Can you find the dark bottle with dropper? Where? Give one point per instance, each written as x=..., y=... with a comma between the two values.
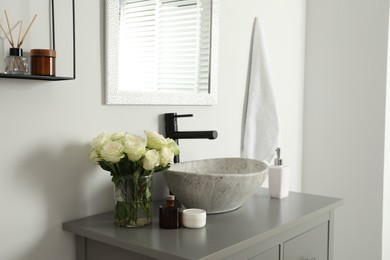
x=169, y=214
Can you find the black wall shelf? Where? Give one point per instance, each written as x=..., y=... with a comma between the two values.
x=51, y=78
x=34, y=77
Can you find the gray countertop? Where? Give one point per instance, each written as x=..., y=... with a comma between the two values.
x=257, y=220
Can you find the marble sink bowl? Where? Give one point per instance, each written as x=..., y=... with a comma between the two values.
x=215, y=185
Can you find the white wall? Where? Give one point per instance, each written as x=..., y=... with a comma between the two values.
x=344, y=117
x=46, y=177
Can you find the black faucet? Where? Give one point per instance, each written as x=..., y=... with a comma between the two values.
x=171, y=131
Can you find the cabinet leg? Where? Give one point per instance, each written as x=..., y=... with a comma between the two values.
x=80, y=248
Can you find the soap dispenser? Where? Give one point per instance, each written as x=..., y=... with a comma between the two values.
x=169, y=217
x=278, y=178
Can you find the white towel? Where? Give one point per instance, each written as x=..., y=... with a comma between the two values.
x=261, y=127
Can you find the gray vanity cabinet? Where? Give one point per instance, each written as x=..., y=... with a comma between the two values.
x=311, y=245
x=270, y=254
x=299, y=227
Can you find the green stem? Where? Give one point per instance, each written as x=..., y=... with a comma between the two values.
x=135, y=192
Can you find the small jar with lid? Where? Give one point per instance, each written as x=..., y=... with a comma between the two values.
x=43, y=62
x=194, y=218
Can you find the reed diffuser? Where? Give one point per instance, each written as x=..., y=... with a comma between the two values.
x=15, y=63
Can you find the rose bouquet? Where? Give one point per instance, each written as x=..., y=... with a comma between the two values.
x=131, y=161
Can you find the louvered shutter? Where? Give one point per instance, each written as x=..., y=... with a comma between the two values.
x=165, y=45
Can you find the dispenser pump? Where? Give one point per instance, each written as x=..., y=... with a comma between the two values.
x=170, y=199
x=278, y=160
x=278, y=178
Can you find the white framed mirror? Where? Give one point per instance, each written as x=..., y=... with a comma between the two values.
x=161, y=52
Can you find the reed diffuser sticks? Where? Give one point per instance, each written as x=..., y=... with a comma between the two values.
x=20, y=30
x=9, y=29
x=28, y=29
x=10, y=38
x=5, y=34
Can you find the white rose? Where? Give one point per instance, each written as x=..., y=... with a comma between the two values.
x=98, y=142
x=155, y=140
x=173, y=146
x=94, y=156
x=112, y=151
x=151, y=160
x=134, y=146
x=117, y=136
x=166, y=156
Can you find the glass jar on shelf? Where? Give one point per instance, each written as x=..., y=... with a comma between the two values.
x=15, y=63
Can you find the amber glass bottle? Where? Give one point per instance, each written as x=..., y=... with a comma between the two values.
x=169, y=214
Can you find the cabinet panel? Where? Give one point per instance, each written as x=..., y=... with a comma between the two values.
x=271, y=254
x=312, y=244
x=96, y=250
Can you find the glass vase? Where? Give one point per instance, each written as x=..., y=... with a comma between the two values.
x=133, y=201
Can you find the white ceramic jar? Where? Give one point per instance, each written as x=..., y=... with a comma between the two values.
x=194, y=218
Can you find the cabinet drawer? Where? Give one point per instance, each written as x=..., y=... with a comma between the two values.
x=312, y=244
x=271, y=254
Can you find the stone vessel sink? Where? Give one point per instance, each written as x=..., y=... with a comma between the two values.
x=215, y=185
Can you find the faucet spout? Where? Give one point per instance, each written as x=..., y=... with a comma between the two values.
x=194, y=135
x=171, y=131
